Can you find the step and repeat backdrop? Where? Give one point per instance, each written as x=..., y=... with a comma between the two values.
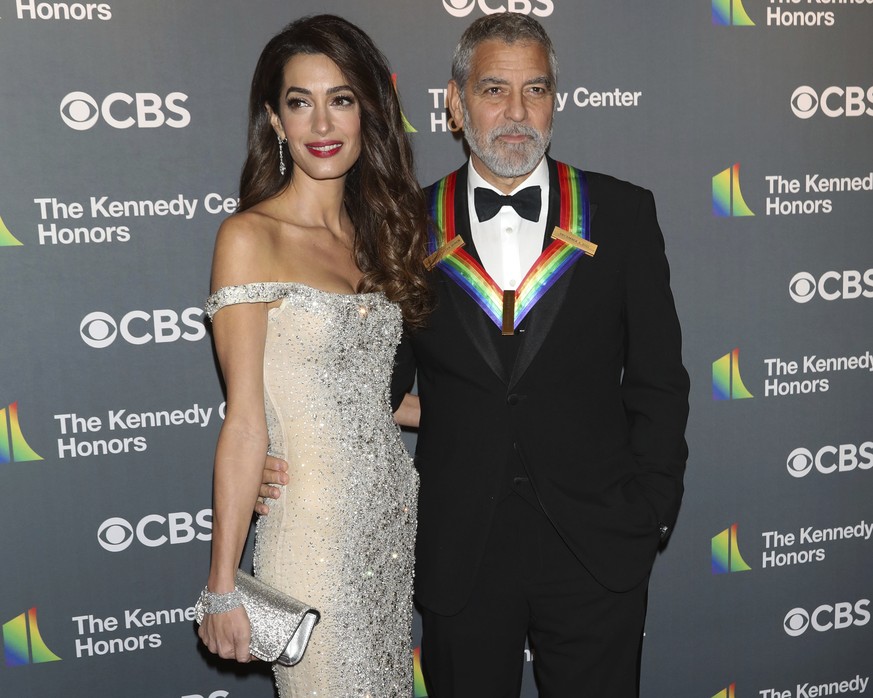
x=123, y=131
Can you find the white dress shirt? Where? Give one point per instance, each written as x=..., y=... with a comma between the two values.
x=508, y=244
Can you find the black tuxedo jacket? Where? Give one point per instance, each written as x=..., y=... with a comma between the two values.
x=595, y=405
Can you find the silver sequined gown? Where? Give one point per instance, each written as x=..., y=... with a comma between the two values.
x=342, y=534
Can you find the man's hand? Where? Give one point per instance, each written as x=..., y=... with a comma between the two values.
x=275, y=473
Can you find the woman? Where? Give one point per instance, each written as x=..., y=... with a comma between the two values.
x=312, y=280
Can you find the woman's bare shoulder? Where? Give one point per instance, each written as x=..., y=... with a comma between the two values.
x=244, y=248
x=250, y=227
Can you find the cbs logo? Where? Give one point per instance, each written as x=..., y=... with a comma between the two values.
x=831, y=285
x=833, y=102
x=830, y=459
x=80, y=111
x=462, y=8
x=99, y=330
x=117, y=534
x=827, y=617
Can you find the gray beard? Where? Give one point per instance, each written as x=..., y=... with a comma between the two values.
x=507, y=160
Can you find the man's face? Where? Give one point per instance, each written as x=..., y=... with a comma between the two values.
x=506, y=108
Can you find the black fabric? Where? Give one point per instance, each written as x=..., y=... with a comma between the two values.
x=585, y=639
x=525, y=202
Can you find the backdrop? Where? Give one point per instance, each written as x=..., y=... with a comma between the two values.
x=123, y=129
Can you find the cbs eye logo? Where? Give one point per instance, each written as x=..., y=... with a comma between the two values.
x=802, y=287
x=80, y=111
x=800, y=462
x=98, y=330
x=459, y=8
x=115, y=534
x=804, y=102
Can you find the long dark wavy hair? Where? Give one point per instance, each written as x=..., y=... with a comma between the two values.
x=382, y=196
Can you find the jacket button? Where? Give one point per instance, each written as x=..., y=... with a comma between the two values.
x=512, y=399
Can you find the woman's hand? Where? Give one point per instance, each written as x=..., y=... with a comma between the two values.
x=409, y=411
x=275, y=473
x=227, y=634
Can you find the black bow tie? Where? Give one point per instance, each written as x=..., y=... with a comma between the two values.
x=525, y=202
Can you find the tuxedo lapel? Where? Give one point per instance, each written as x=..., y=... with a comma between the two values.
x=476, y=323
x=542, y=316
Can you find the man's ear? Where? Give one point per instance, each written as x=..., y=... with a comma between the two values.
x=453, y=101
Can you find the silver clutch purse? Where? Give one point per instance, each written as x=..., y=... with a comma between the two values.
x=281, y=625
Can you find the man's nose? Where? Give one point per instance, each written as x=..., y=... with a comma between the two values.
x=516, y=109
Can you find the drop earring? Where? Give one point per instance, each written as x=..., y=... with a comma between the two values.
x=282, y=142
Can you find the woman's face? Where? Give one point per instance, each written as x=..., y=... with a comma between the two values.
x=320, y=116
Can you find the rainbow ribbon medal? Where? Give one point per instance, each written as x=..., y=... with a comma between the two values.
x=507, y=310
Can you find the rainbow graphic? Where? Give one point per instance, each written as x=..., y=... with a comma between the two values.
x=729, y=692
x=7, y=239
x=730, y=13
x=727, y=384
x=726, y=554
x=418, y=677
x=22, y=642
x=727, y=199
x=409, y=128
x=13, y=447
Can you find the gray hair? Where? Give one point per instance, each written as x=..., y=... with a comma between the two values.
x=507, y=27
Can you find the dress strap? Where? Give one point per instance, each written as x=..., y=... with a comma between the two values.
x=262, y=292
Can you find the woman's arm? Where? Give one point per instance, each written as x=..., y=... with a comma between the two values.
x=239, y=332
x=408, y=413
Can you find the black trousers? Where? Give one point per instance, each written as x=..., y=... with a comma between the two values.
x=586, y=640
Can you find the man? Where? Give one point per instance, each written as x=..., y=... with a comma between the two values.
x=553, y=399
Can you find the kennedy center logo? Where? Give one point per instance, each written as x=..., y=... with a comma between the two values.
x=729, y=692
x=727, y=383
x=13, y=447
x=7, y=239
x=726, y=554
x=730, y=13
x=22, y=642
x=418, y=677
x=408, y=127
x=727, y=199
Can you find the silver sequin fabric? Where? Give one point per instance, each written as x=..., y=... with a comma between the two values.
x=342, y=534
